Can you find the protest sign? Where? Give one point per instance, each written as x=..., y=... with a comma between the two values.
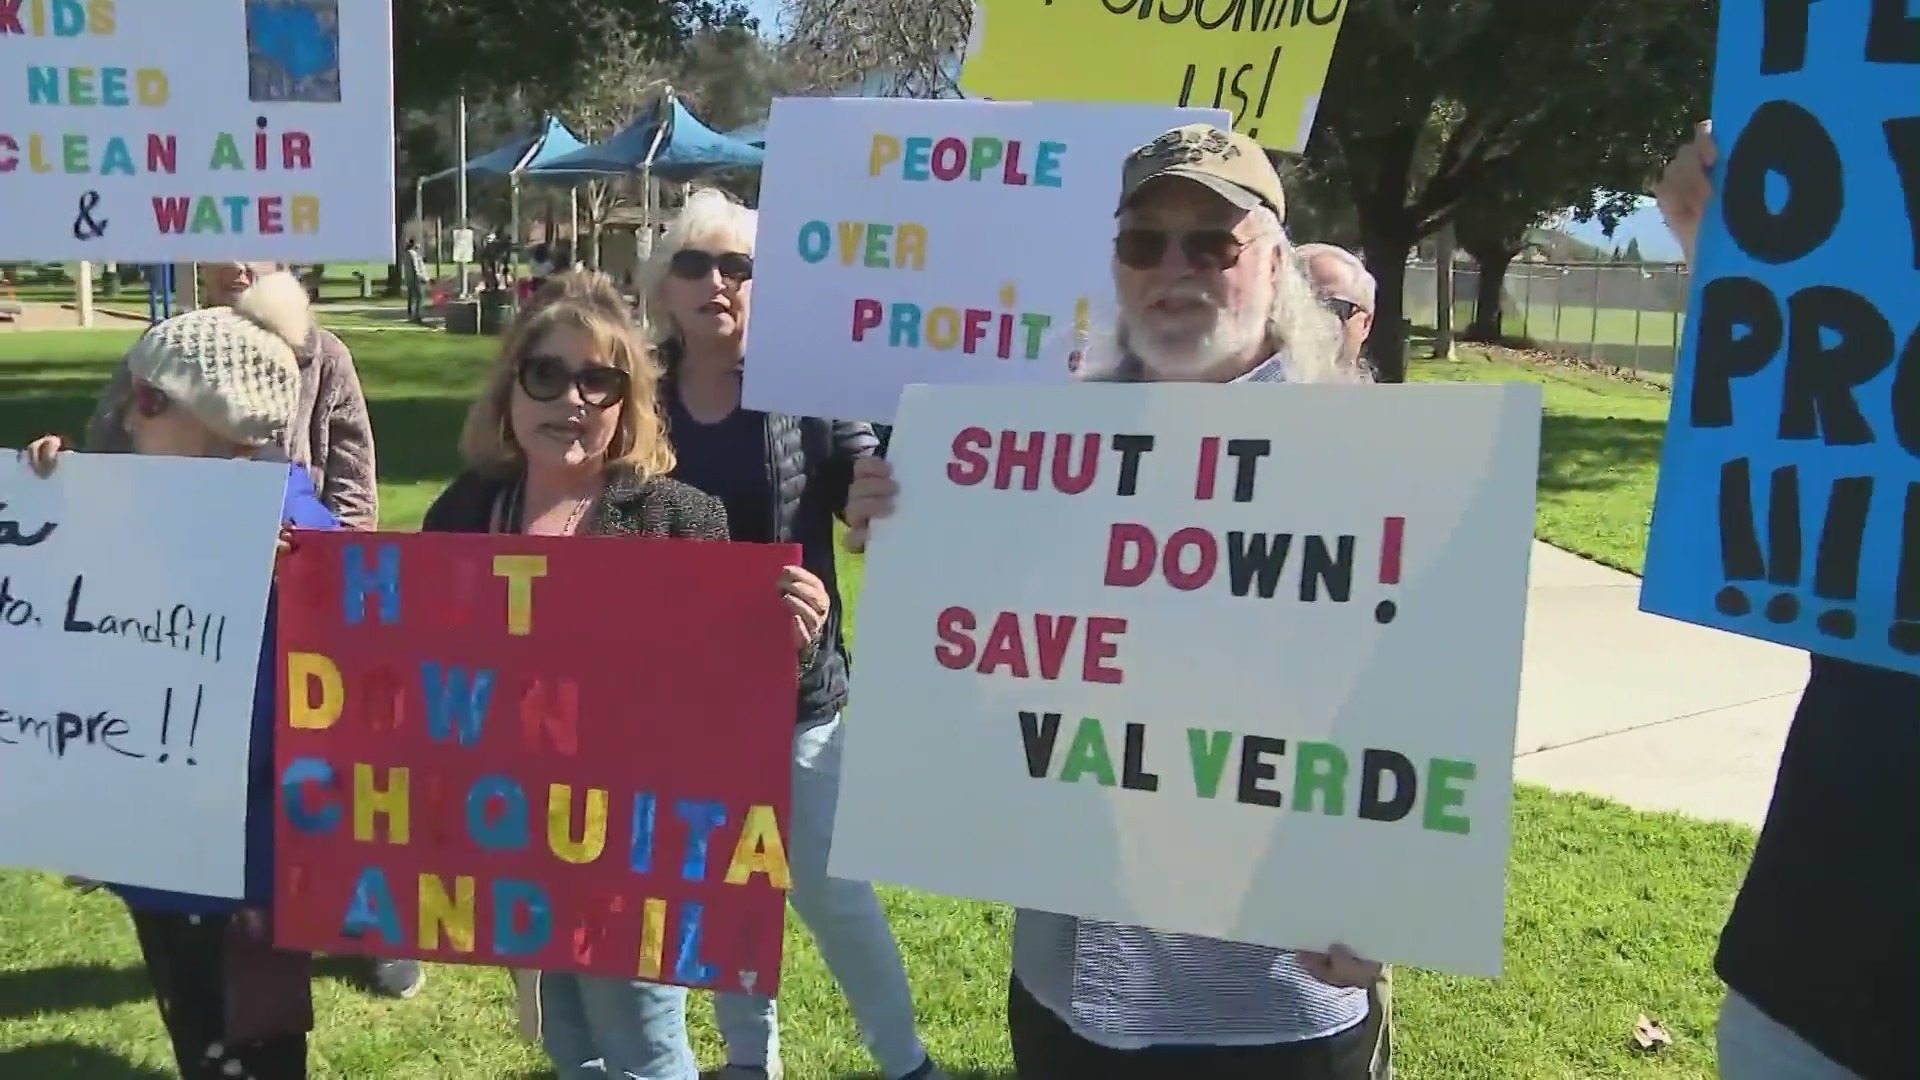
x=196, y=130
x=564, y=755
x=907, y=242
x=1213, y=659
x=133, y=595
x=1263, y=62
x=1789, y=499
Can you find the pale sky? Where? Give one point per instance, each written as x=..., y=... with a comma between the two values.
x=768, y=12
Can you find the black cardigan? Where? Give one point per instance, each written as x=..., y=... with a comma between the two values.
x=628, y=507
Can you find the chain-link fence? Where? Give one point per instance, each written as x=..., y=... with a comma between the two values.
x=1624, y=315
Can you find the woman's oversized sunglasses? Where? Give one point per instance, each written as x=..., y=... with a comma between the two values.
x=692, y=264
x=546, y=378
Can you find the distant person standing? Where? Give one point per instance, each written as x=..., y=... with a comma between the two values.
x=542, y=267
x=415, y=268
x=1347, y=289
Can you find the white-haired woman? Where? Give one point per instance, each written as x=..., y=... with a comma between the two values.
x=783, y=479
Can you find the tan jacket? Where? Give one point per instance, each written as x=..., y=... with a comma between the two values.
x=331, y=434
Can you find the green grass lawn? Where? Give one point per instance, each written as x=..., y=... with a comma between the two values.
x=1611, y=913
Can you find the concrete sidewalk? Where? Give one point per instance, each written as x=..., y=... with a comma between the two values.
x=1658, y=714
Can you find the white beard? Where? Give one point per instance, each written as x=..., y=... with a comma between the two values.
x=1186, y=356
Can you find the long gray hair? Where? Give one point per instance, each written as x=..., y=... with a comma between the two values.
x=1299, y=326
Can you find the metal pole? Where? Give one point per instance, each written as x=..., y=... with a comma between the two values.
x=1639, y=312
x=1593, y=332
x=85, y=301
x=1526, y=307
x=1559, y=307
x=1678, y=319
x=460, y=198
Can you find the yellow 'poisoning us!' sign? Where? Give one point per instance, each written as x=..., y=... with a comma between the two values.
x=1264, y=61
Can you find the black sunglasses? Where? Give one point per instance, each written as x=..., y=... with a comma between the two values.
x=1205, y=249
x=694, y=264
x=546, y=378
x=1342, y=309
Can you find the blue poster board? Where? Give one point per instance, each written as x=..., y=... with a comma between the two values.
x=1789, y=499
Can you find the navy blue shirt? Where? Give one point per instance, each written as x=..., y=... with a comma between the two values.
x=727, y=459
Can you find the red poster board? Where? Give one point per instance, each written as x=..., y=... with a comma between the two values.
x=559, y=754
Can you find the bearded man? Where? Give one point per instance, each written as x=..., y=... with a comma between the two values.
x=1210, y=290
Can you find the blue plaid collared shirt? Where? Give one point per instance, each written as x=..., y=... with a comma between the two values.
x=1128, y=987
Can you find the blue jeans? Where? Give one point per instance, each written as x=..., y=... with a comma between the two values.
x=597, y=1028
x=847, y=924
x=642, y=1027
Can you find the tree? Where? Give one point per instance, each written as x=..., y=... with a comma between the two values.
x=1494, y=224
x=729, y=76
x=1498, y=95
x=444, y=46
x=893, y=48
x=622, y=77
x=1632, y=254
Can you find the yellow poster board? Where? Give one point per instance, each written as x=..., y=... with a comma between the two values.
x=1264, y=61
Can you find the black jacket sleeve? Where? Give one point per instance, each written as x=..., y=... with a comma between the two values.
x=852, y=440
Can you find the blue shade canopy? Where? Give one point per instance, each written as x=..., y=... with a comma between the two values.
x=549, y=140
x=687, y=148
x=752, y=134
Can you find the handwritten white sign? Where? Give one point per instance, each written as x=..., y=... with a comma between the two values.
x=906, y=242
x=196, y=130
x=1212, y=659
x=133, y=595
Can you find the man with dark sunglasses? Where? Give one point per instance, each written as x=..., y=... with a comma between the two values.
x=1347, y=289
x=1209, y=290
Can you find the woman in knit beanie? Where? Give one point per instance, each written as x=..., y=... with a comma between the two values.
x=223, y=383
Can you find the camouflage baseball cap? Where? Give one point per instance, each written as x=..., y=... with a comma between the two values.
x=1226, y=163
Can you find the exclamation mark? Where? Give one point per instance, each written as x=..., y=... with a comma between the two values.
x=193, y=732
x=166, y=724
x=1079, y=336
x=1836, y=565
x=1393, y=532
x=1740, y=557
x=1904, y=634
x=1783, y=543
x=1266, y=88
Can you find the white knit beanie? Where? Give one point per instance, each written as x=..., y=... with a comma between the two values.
x=232, y=368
